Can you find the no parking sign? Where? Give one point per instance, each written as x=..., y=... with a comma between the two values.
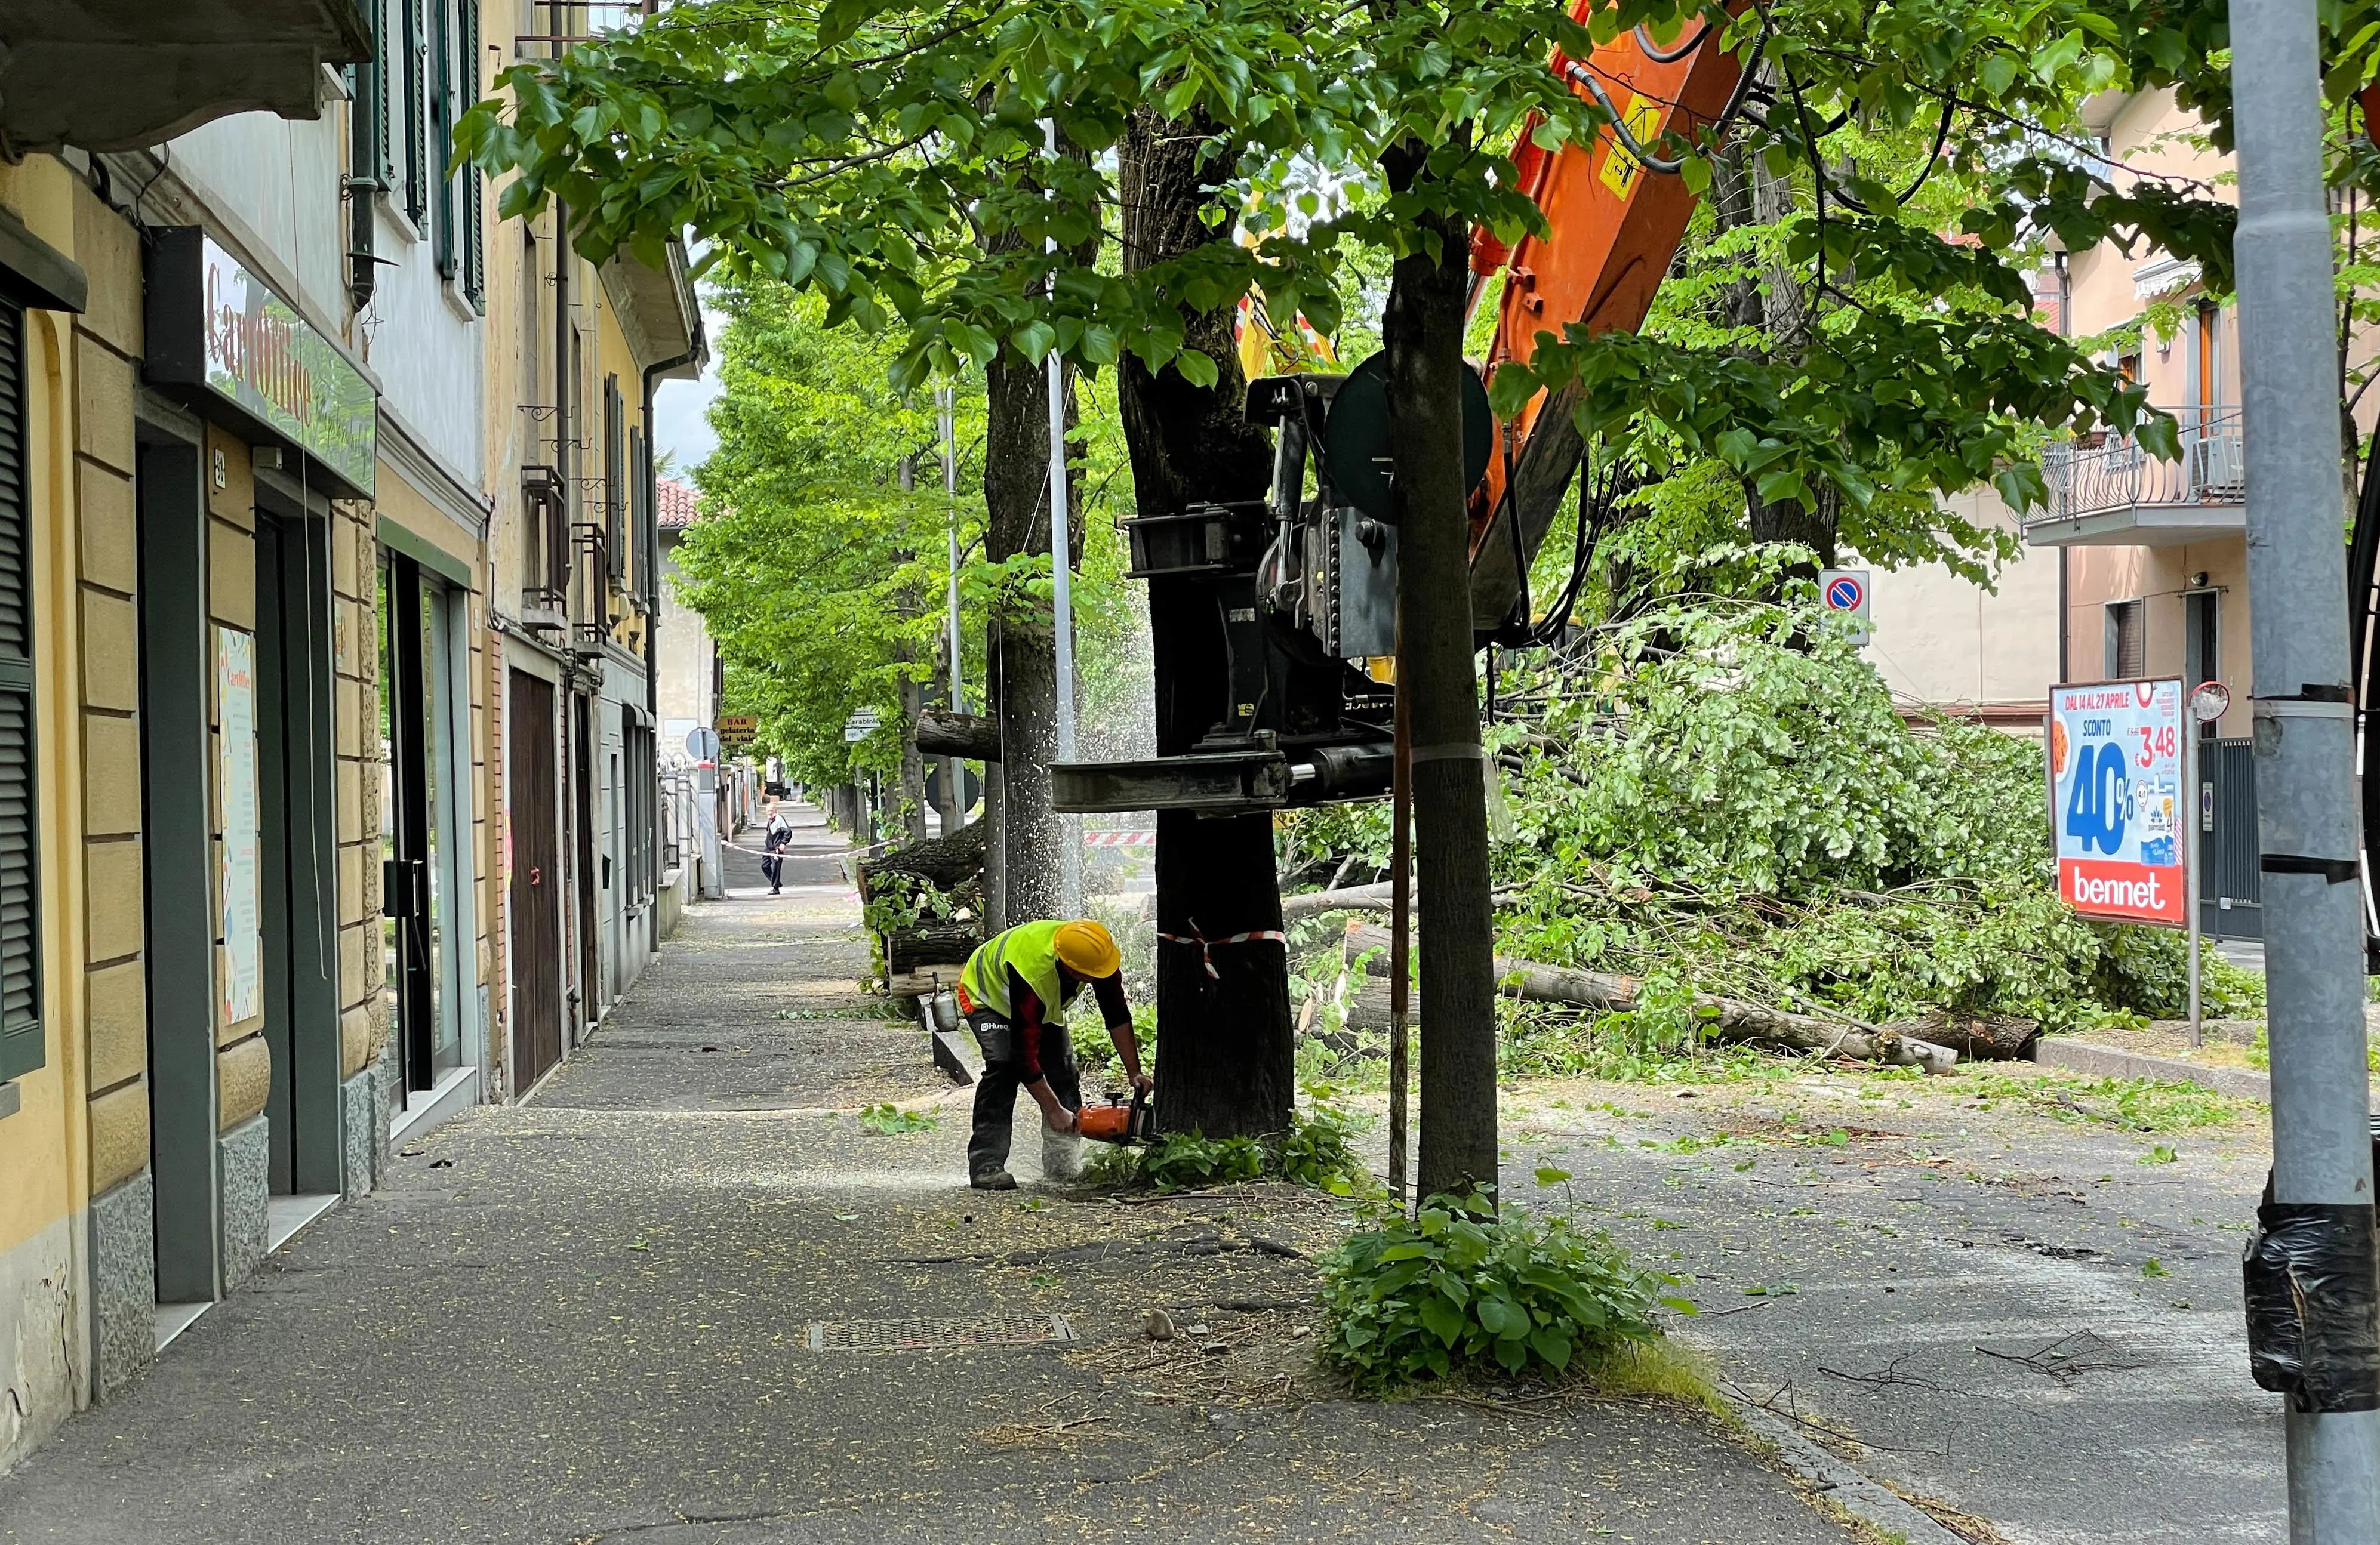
x=1845, y=591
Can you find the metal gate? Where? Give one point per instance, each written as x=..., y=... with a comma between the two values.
x=537, y=882
x=2229, y=893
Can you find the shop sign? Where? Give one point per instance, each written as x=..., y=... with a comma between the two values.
x=216, y=326
x=736, y=731
x=2115, y=799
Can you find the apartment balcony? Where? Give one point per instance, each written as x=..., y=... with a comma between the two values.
x=2117, y=494
x=116, y=74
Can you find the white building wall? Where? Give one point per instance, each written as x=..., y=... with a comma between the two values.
x=274, y=184
x=423, y=340
x=1942, y=639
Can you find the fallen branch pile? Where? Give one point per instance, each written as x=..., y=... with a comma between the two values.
x=1724, y=1018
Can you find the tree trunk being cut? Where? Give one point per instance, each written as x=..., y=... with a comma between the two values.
x=1226, y=1058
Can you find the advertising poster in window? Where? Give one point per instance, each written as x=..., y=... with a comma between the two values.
x=2116, y=800
x=243, y=938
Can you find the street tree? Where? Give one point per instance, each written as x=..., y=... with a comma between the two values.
x=887, y=159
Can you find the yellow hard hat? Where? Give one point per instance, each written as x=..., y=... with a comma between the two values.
x=1088, y=950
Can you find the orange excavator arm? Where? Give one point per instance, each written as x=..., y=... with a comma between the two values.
x=1614, y=215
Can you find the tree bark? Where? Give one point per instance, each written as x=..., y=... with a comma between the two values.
x=1422, y=337
x=1022, y=877
x=1021, y=691
x=1774, y=302
x=945, y=863
x=913, y=762
x=941, y=732
x=1225, y=1048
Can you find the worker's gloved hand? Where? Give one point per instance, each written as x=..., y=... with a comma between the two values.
x=1142, y=1084
x=1061, y=1119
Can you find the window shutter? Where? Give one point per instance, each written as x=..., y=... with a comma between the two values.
x=368, y=118
x=442, y=143
x=475, y=256
x=417, y=49
x=639, y=486
x=20, y=1002
x=383, y=162
x=614, y=540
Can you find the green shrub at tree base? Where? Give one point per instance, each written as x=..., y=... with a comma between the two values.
x=1318, y=1151
x=1456, y=1287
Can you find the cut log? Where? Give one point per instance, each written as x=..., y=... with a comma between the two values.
x=1351, y=898
x=971, y=737
x=1354, y=898
x=944, y=863
x=930, y=943
x=1725, y=1019
x=2000, y=1037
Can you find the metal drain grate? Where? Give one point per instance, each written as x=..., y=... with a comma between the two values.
x=916, y=1333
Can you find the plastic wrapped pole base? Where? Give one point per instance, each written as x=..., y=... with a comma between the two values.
x=2314, y=1324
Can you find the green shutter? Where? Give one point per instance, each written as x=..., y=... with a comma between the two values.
x=368, y=118
x=417, y=49
x=441, y=143
x=384, y=165
x=615, y=540
x=639, y=508
x=20, y=994
x=474, y=235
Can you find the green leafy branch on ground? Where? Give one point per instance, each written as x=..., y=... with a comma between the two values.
x=890, y=1120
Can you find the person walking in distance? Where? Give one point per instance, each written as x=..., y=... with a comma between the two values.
x=1013, y=993
x=781, y=833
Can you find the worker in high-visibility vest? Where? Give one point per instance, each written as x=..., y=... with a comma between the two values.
x=1013, y=993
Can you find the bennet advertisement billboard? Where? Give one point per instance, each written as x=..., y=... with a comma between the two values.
x=2116, y=800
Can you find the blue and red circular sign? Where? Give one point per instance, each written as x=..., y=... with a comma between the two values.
x=1845, y=594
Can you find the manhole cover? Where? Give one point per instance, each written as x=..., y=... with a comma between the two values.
x=914, y=1334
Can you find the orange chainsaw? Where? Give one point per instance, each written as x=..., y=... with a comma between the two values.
x=1115, y=1123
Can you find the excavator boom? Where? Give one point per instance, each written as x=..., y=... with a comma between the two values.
x=1615, y=215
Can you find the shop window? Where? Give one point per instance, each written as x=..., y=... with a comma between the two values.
x=20, y=988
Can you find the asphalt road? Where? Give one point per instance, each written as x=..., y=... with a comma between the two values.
x=2028, y=1320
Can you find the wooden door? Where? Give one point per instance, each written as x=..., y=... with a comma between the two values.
x=537, y=882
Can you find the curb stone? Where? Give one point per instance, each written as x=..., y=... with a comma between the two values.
x=2089, y=1057
x=1863, y=1497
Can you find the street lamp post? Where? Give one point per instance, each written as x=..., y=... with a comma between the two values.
x=2304, y=746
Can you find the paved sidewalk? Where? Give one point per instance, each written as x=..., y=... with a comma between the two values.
x=619, y=1315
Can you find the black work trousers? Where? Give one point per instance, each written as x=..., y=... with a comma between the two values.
x=995, y=1092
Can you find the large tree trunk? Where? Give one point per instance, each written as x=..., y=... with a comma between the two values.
x=1422, y=337
x=1749, y=193
x=1021, y=881
x=1227, y=1060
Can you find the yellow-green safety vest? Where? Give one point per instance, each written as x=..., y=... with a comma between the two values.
x=1032, y=949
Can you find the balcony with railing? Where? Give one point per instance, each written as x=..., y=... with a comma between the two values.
x=2111, y=491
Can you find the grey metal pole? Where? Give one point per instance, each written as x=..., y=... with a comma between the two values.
x=2303, y=734
x=1061, y=563
x=2186, y=811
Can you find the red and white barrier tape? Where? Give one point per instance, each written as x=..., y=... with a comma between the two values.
x=1207, y=946
x=1119, y=839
